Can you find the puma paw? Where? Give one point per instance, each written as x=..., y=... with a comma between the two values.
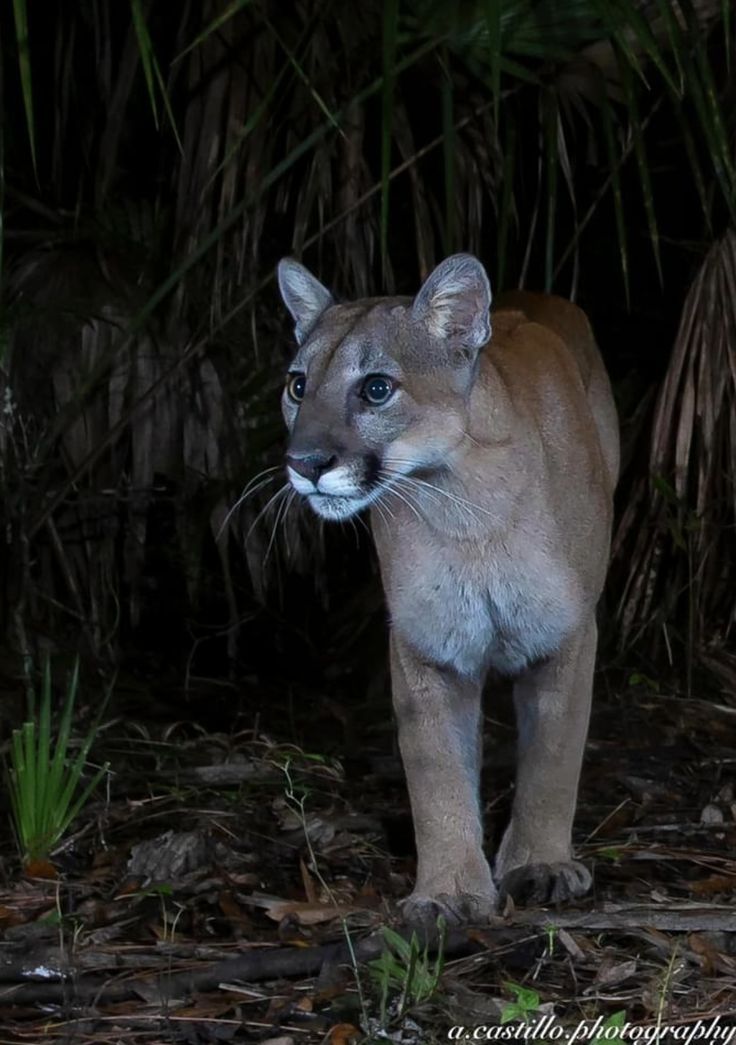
x=539, y=884
x=456, y=908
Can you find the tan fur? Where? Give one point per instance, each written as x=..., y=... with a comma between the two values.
x=492, y=518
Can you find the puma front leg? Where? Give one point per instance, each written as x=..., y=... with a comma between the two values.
x=439, y=715
x=534, y=862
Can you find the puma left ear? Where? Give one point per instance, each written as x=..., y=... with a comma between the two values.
x=303, y=294
x=454, y=302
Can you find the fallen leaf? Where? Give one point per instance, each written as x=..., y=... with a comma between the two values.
x=40, y=869
x=10, y=917
x=570, y=944
x=715, y=883
x=343, y=1034
x=304, y=913
x=610, y=972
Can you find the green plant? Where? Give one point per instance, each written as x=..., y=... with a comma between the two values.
x=406, y=972
x=610, y=852
x=47, y=791
x=526, y=1002
x=613, y=1024
x=551, y=934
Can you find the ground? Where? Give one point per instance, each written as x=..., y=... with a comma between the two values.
x=230, y=886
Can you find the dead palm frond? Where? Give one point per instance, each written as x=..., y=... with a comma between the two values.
x=678, y=533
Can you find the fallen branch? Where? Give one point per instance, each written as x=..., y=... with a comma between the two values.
x=269, y=963
x=685, y=919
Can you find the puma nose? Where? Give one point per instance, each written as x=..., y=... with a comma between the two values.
x=311, y=466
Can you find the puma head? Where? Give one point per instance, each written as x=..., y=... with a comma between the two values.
x=379, y=387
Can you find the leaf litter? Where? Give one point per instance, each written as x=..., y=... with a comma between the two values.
x=248, y=906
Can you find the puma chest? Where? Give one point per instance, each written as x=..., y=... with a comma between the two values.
x=481, y=610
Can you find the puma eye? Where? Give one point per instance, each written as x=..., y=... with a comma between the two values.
x=377, y=389
x=295, y=386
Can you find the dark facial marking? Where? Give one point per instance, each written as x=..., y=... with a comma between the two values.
x=372, y=469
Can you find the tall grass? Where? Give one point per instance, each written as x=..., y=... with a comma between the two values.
x=47, y=787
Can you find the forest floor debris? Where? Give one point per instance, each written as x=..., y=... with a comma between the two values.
x=248, y=903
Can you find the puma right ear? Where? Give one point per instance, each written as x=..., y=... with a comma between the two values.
x=454, y=303
x=304, y=296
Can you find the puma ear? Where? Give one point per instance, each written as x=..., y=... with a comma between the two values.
x=454, y=302
x=303, y=295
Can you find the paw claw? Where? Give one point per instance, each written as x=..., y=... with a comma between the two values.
x=539, y=884
x=457, y=909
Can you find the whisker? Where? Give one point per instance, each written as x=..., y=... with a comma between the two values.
x=399, y=479
x=462, y=501
x=280, y=518
x=363, y=523
x=248, y=491
x=379, y=511
x=279, y=493
x=354, y=528
x=383, y=510
x=394, y=489
x=467, y=506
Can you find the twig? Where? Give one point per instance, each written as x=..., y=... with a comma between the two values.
x=272, y=963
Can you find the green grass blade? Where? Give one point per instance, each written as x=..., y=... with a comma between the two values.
x=677, y=42
x=609, y=139
x=448, y=157
x=59, y=767
x=76, y=766
x=507, y=205
x=636, y=128
x=44, y=796
x=519, y=71
x=75, y=809
x=302, y=74
x=550, y=125
x=726, y=12
x=255, y=117
x=145, y=50
x=629, y=23
x=167, y=104
x=16, y=771
x=705, y=96
x=390, y=39
x=230, y=11
x=696, y=169
x=152, y=70
x=27, y=786
x=492, y=12
x=22, y=42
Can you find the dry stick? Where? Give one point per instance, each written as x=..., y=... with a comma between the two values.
x=638, y=916
x=261, y=964
x=274, y=963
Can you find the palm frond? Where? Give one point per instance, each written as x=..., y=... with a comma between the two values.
x=676, y=536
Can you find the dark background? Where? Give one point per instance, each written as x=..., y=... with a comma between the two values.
x=159, y=159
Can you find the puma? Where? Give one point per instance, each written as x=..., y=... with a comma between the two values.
x=489, y=464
